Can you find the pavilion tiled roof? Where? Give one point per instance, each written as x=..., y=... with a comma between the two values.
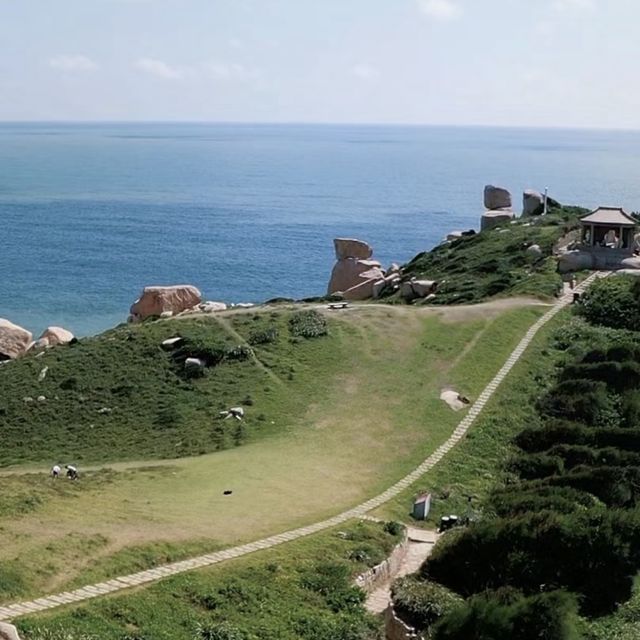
x=614, y=216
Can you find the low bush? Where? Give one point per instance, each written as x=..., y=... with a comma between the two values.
x=421, y=603
x=536, y=465
x=612, y=302
x=548, y=616
x=263, y=336
x=532, y=497
x=586, y=401
x=588, y=553
x=307, y=324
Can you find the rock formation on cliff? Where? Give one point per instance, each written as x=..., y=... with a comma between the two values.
x=533, y=203
x=354, y=273
x=498, y=204
x=14, y=340
x=53, y=336
x=156, y=300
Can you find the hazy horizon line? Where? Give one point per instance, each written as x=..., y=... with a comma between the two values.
x=425, y=125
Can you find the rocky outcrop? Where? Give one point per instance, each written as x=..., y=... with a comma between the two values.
x=354, y=274
x=535, y=251
x=497, y=198
x=497, y=218
x=14, y=340
x=156, y=300
x=53, y=336
x=578, y=260
x=498, y=203
x=414, y=289
x=350, y=248
x=533, y=203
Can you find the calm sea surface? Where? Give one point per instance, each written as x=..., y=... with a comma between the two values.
x=89, y=214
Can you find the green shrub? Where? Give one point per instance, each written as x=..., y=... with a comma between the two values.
x=221, y=631
x=394, y=528
x=548, y=616
x=332, y=582
x=612, y=302
x=591, y=553
x=263, y=336
x=212, y=354
x=532, y=497
x=421, y=603
x=586, y=401
x=240, y=353
x=536, y=465
x=307, y=324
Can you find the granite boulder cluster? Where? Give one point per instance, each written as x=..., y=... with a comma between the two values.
x=16, y=341
x=357, y=276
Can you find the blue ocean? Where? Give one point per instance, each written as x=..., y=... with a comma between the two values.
x=91, y=213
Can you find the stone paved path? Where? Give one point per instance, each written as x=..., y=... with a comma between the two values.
x=12, y=611
x=421, y=542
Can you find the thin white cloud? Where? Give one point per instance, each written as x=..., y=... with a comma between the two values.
x=365, y=72
x=580, y=5
x=440, y=9
x=160, y=69
x=230, y=71
x=72, y=63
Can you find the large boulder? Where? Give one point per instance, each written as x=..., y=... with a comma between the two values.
x=497, y=218
x=532, y=203
x=14, y=340
x=576, y=261
x=53, y=336
x=349, y=273
x=496, y=198
x=349, y=248
x=156, y=300
x=414, y=289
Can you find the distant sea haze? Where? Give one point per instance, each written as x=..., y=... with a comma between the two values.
x=91, y=213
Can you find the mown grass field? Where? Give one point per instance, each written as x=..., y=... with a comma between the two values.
x=470, y=470
x=359, y=409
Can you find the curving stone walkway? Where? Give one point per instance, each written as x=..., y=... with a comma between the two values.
x=12, y=611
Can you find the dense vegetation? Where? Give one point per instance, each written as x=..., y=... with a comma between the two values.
x=496, y=262
x=121, y=395
x=562, y=530
x=613, y=302
x=303, y=592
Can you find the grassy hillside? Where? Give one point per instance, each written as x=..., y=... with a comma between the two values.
x=121, y=396
x=363, y=408
x=496, y=262
x=299, y=592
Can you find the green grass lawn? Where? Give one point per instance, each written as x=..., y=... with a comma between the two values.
x=471, y=469
x=362, y=410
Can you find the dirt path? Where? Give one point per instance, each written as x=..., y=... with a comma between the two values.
x=12, y=611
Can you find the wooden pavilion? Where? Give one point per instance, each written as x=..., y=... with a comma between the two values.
x=609, y=228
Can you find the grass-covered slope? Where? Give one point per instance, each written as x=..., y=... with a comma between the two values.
x=363, y=408
x=302, y=591
x=122, y=396
x=496, y=262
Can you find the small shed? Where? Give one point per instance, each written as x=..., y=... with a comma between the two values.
x=421, y=506
x=610, y=228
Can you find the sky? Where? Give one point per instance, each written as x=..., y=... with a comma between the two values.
x=547, y=63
